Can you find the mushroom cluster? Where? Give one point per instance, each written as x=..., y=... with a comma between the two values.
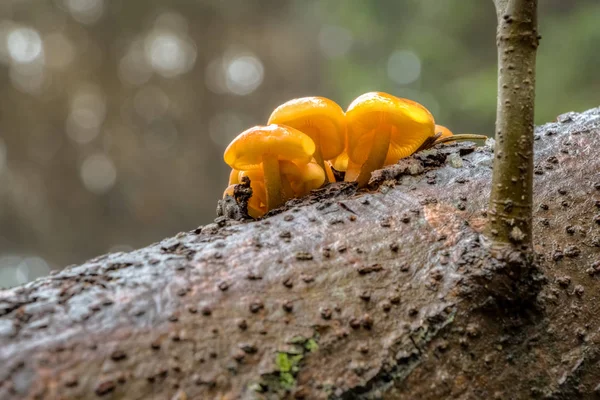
x=305, y=138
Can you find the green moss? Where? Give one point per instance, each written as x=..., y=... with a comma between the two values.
x=288, y=366
x=311, y=345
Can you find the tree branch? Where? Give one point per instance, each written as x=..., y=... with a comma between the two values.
x=512, y=182
x=341, y=296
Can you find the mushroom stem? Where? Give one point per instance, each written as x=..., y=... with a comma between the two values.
x=376, y=157
x=286, y=187
x=273, y=186
x=329, y=177
x=460, y=137
x=352, y=171
x=318, y=155
x=319, y=159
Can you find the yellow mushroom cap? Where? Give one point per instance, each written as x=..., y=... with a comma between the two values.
x=409, y=122
x=246, y=151
x=318, y=117
x=303, y=178
x=444, y=131
x=340, y=163
x=257, y=205
x=234, y=177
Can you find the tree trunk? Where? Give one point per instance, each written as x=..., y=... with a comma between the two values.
x=341, y=296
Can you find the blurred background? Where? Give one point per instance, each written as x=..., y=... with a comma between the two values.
x=114, y=114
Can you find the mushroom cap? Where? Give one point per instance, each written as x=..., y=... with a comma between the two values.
x=303, y=178
x=340, y=163
x=257, y=205
x=246, y=151
x=409, y=122
x=318, y=117
x=444, y=131
x=234, y=177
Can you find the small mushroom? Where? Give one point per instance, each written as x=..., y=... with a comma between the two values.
x=296, y=180
x=321, y=119
x=381, y=130
x=445, y=135
x=234, y=177
x=302, y=178
x=329, y=172
x=340, y=163
x=257, y=205
x=262, y=148
x=444, y=132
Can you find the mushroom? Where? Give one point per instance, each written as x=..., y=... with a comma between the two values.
x=318, y=117
x=302, y=178
x=340, y=163
x=381, y=130
x=263, y=147
x=256, y=204
x=445, y=132
x=445, y=135
x=234, y=177
x=330, y=177
x=297, y=181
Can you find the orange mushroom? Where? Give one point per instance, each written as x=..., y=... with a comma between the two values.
x=318, y=117
x=257, y=206
x=234, y=177
x=303, y=178
x=263, y=147
x=340, y=163
x=444, y=135
x=445, y=132
x=297, y=181
x=381, y=130
x=330, y=177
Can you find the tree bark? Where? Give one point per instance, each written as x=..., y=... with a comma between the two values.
x=512, y=184
x=339, y=296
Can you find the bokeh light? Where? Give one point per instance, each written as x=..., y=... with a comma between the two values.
x=16, y=269
x=404, y=66
x=98, y=173
x=237, y=72
x=24, y=45
x=87, y=113
x=169, y=54
x=244, y=73
x=85, y=11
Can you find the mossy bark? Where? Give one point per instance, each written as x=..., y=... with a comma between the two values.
x=512, y=182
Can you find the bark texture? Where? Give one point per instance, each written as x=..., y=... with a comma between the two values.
x=511, y=196
x=342, y=295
